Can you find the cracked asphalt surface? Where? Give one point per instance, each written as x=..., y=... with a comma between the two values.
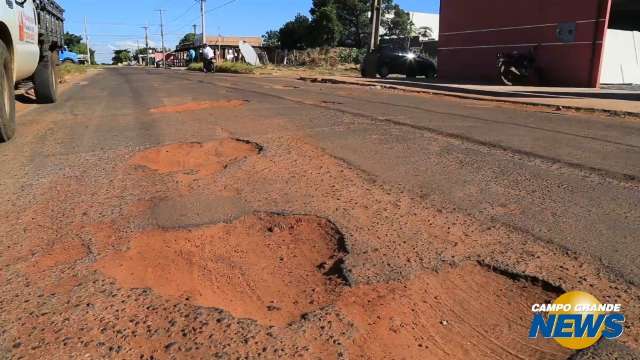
x=430, y=194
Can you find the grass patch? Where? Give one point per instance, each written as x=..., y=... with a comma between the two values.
x=69, y=70
x=310, y=70
x=195, y=67
x=235, y=68
x=226, y=67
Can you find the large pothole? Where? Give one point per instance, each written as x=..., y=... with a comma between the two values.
x=199, y=105
x=466, y=312
x=201, y=158
x=271, y=268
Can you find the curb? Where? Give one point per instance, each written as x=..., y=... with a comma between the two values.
x=329, y=80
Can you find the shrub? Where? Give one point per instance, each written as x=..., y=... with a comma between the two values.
x=234, y=68
x=195, y=67
x=71, y=69
x=226, y=67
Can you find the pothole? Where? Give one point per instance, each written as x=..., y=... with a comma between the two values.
x=204, y=158
x=199, y=105
x=267, y=267
x=463, y=312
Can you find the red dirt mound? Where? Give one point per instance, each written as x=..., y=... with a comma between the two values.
x=205, y=158
x=201, y=105
x=264, y=267
x=464, y=313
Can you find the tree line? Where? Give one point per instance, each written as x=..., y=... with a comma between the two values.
x=343, y=23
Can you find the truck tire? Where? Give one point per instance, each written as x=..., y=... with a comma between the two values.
x=7, y=95
x=45, y=79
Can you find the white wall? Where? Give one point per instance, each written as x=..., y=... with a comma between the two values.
x=621, y=58
x=422, y=19
x=425, y=19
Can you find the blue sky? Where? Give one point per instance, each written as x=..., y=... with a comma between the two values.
x=117, y=23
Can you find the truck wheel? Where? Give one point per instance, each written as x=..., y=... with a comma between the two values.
x=45, y=79
x=7, y=95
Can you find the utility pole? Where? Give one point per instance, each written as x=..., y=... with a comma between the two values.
x=138, y=46
x=376, y=13
x=218, y=55
x=146, y=43
x=370, y=62
x=195, y=33
x=86, y=37
x=203, y=25
x=164, y=56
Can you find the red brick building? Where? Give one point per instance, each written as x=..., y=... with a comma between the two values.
x=566, y=36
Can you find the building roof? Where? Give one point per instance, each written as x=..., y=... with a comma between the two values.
x=224, y=40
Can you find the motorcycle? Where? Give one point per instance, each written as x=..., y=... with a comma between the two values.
x=515, y=68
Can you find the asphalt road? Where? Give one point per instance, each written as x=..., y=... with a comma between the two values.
x=570, y=180
x=382, y=165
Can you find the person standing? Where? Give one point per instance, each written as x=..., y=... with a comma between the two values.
x=207, y=54
x=191, y=56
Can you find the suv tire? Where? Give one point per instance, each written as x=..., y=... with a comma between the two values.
x=7, y=95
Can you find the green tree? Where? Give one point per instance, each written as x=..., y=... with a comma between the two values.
x=121, y=56
x=353, y=17
x=295, y=33
x=81, y=49
x=399, y=25
x=188, y=38
x=72, y=40
x=326, y=30
x=424, y=32
x=271, y=38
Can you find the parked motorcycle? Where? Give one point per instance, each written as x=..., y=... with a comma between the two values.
x=515, y=68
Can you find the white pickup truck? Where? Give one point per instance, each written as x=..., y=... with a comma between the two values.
x=31, y=32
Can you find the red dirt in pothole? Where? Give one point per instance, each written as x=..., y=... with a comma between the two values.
x=466, y=312
x=200, y=105
x=204, y=158
x=59, y=254
x=263, y=267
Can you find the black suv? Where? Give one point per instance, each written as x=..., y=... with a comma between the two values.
x=390, y=61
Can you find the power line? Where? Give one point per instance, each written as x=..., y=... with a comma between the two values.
x=221, y=6
x=183, y=14
x=108, y=23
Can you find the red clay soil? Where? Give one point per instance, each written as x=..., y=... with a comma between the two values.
x=263, y=267
x=466, y=312
x=194, y=160
x=201, y=105
x=82, y=282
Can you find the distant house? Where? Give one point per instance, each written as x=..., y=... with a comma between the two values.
x=225, y=48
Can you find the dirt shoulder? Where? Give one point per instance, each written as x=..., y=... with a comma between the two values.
x=70, y=75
